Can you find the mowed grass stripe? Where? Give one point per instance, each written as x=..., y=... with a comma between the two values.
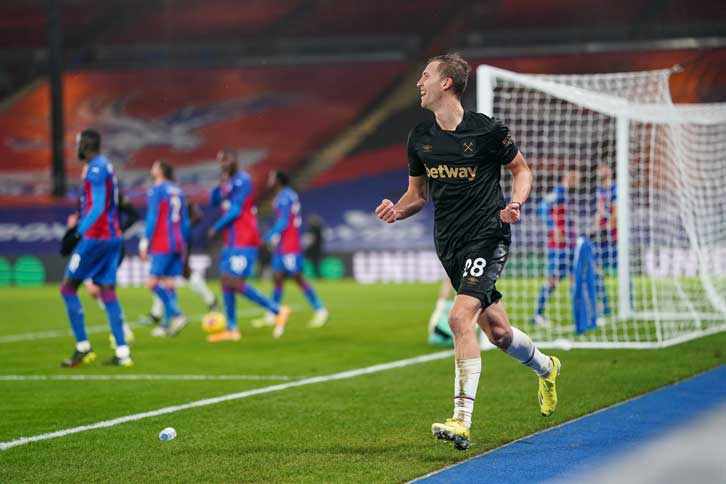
x=225, y=398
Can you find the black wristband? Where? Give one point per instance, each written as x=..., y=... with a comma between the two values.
x=518, y=203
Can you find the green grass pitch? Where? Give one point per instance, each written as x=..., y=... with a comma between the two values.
x=371, y=428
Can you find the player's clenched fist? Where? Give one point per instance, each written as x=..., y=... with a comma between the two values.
x=511, y=213
x=386, y=211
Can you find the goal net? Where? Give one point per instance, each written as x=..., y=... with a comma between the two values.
x=638, y=180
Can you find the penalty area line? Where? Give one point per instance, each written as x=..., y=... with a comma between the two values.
x=344, y=375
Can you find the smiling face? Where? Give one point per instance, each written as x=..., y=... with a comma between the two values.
x=432, y=87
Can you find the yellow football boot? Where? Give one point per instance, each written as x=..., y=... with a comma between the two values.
x=79, y=358
x=453, y=430
x=547, y=393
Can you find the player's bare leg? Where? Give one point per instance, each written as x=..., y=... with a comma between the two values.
x=467, y=372
x=95, y=292
x=495, y=324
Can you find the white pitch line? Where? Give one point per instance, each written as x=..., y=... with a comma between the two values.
x=144, y=377
x=232, y=396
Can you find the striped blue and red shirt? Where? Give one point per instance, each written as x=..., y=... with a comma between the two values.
x=167, y=219
x=238, y=223
x=557, y=208
x=287, y=222
x=99, y=201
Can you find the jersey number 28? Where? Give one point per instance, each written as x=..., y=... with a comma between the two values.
x=476, y=266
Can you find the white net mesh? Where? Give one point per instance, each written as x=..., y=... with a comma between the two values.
x=615, y=162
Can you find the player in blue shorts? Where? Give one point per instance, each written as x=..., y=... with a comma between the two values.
x=556, y=208
x=241, y=236
x=195, y=279
x=167, y=229
x=284, y=240
x=96, y=253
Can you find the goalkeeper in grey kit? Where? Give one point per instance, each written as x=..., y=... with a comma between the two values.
x=456, y=158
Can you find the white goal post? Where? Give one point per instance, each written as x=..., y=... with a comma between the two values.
x=616, y=163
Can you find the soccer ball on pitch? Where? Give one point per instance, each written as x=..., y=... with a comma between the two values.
x=214, y=322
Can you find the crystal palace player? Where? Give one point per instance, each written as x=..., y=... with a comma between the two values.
x=167, y=229
x=605, y=232
x=97, y=253
x=557, y=210
x=241, y=244
x=457, y=158
x=284, y=238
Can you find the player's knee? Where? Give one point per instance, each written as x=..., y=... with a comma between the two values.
x=459, y=322
x=93, y=290
x=152, y=282
x=500, y=336
x=226, y=280
x=67, y=288
x=108, y=293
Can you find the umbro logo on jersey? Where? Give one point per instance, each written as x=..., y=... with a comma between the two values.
x=446, y=171
x=426, y=148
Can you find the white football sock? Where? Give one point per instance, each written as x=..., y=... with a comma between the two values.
x=157, y=307
x=123, y=352
x=466, y=381
x=523, y=349
x=83, y=346
x=199, y=286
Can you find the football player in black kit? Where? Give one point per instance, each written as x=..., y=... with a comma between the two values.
x=456, y=158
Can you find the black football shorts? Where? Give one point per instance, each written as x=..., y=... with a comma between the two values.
x=474, y=270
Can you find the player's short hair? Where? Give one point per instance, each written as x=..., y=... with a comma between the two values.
x=91, y=139
x=282, y=178
x=456, y=68
x=166, y=169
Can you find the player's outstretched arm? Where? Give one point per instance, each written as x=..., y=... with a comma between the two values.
x=410, y=203
x=520, y=189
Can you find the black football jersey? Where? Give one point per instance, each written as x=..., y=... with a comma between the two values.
x=463, y=169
